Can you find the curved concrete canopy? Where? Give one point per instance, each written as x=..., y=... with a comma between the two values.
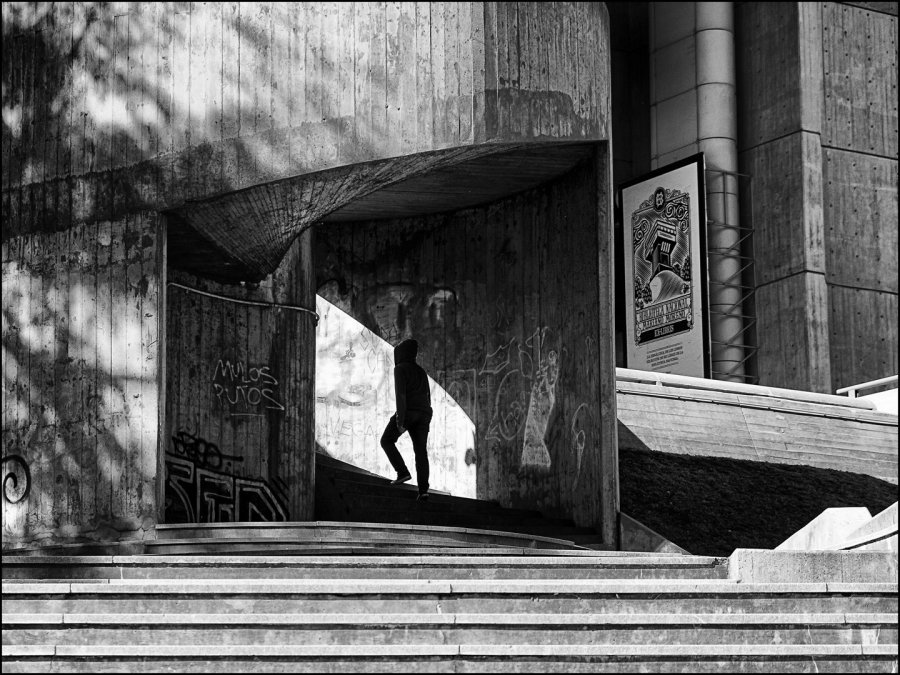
x=242, y=236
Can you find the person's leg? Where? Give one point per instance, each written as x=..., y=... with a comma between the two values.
x=418, y=432
x=389, y=445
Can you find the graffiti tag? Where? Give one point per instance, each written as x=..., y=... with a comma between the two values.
x=198, y=495
x=16, y=483
x=245, y=389
x=200, y=451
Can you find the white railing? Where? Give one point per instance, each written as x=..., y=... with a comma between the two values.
x=684, y=381
x=851, y=391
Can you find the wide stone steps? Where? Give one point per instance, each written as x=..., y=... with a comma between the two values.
x=529, y=610
x=445, y=596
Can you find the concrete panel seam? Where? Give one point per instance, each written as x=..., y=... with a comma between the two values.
x=788, y=276
x=857, y=288
x=781, y=137
x=853, y=151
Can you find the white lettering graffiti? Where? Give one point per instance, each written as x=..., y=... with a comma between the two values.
x=245, y=389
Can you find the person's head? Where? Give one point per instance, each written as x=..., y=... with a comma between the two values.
x=406, y=352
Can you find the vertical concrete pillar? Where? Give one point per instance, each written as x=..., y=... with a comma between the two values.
x=293, y=353
x=717, y=137
x=693, y=109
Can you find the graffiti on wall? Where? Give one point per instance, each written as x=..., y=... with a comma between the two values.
x=526, y=372
x=16, y=479
x=203, y=453
x=245, y=390
x=201, y=487
x=581, y=430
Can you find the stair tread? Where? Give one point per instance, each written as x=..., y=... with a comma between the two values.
x=410, y=650
x=488, y=560
x=306, y=619
x=668, y=587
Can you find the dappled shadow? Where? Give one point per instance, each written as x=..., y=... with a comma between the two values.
x=111, y=108
x=80, y=401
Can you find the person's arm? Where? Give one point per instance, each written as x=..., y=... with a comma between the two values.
x=400, y=394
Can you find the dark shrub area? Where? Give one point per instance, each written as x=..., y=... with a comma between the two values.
x=711, y=505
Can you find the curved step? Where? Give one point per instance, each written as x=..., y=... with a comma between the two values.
x=331, y=532
x=317, y=566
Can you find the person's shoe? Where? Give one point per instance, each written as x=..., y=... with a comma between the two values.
x=401, y=479
x=423, y=497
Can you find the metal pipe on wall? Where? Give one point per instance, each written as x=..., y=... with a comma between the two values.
x=717, y=140
x=694, y=109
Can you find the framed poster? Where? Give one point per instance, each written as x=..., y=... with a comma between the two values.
x=666, y=314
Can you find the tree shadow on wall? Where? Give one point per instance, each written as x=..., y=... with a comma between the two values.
x=85, y=477
x=713, y=505
x=116, y=108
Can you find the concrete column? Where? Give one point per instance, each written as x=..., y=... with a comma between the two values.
x=717, y=138
x=694, y=109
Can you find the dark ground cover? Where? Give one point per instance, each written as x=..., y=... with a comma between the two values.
x=711, y=505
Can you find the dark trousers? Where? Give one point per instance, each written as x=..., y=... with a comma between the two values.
x=417, y=423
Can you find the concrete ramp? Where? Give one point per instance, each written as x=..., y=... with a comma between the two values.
x=692, y=416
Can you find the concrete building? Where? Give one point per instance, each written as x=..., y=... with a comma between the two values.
x=180, y=184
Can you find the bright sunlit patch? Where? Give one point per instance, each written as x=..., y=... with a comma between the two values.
x=355, y=400
x=12, y=119
x=107, y=109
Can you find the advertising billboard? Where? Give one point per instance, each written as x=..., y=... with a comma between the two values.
x=666, y=316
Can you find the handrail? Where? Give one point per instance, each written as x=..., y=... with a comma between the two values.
x=871, y=538
x=851, y=391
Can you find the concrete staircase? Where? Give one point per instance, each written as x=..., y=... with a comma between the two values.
x=383, y=583
x=347, y=493
x=453, y=609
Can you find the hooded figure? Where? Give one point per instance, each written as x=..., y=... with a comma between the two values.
x=413, y=414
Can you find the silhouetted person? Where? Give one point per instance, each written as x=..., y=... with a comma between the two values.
x=413, y=414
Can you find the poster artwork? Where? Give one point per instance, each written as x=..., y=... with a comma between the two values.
x=661, y=247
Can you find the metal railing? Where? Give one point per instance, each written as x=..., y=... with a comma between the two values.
x=851, y=391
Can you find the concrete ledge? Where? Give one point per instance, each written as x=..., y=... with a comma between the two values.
x=540, y=557
x=686, y=382
x=827, y=530
x=764, y=566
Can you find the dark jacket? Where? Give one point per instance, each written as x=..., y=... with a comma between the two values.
x=410, y=381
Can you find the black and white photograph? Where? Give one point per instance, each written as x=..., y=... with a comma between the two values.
x=453, y=337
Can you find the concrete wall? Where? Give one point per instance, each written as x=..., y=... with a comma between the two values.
x=503, y=301
x=113, y=106
x=239, y=397
x=116, y=110
x=81, y=330
x=818, y=136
